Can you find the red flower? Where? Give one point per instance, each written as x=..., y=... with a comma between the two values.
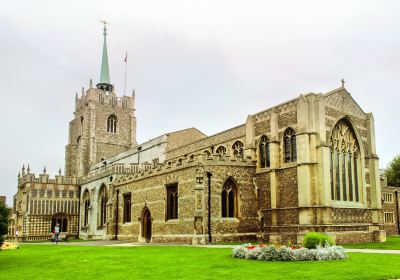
x=251, y=247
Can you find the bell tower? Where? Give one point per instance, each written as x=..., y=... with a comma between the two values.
x=103, y=124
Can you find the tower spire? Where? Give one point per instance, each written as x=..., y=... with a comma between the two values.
x=104, y=82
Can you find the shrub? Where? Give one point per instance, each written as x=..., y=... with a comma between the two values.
x=268, y=254
x=271, y=253
x=314, y=239
x=3, y=222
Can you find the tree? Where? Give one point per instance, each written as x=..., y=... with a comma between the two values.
x=393, y=172
x=3, y=222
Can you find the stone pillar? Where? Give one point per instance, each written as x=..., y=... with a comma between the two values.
x=304, y=175
x=323, y=185
x=199, y=218
x=375, y=186
x=275, y=155
x=249, y=148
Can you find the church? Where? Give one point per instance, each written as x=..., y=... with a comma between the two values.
x=309, y=164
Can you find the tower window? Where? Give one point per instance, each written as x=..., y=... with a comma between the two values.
x=112, y=124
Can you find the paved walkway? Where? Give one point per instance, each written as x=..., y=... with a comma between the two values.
x=125, y=243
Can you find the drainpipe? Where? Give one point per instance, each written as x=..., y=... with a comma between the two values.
x=139, y=148
x=397, y=212
x=209, y=174
x=116, y=217
x=79, y=211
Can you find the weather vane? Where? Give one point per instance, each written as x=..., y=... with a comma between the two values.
x=343, y=82
x=105, y=28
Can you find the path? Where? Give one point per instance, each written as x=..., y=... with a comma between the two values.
x=125, y=243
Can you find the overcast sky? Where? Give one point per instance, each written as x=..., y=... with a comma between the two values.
x=203, y=64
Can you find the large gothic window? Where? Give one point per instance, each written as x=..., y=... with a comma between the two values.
x=229, y=200
x=344, y=163
x=86, y=201
x=221, y=151
x=289, y=143
x=264, y=152
x=172, y=202
x=237, y=149
x=112, y=124
x=102, y=206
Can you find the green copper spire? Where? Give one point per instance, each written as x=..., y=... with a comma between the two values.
x=104, y=82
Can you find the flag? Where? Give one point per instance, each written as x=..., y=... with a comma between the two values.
x=126, y=58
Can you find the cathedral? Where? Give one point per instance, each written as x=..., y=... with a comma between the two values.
x=309, y=164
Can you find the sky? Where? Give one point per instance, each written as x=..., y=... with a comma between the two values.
x=204, y=64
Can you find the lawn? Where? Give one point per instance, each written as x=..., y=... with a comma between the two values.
x=392, y=243
x=158, y=262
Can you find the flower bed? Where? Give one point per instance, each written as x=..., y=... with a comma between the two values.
x=9, y=246
x=272, y=253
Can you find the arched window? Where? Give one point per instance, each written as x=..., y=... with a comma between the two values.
x=264, y=152
x=86, y=201
x=61, y=219
x=172, y=201
x=112, y=124
x=102, y=206
x=289, y=143
x=229, y=200
x=238, y=149
x=207, y=153
x=221, y=151
x=78, y=140
x=344, y=162
x=127, y=207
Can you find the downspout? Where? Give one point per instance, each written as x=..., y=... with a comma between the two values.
x=79, y=212
x=116, y=217
x=397, y=212
x=209, y=174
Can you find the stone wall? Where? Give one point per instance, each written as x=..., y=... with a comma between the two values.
x=89, y=140
x=287, y=188
x=150, y=193
x=389, y=206
x=39, y=199
x=226, y=138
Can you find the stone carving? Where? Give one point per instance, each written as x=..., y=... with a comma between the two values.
x=345, y=103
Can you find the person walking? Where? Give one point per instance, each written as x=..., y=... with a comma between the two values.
x=56, y=232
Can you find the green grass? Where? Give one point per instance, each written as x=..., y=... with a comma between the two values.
x=158, y=262
x=392, y=243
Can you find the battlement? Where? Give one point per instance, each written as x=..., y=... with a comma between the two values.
x=136, y=171
x=44, y=178
x=98, y=96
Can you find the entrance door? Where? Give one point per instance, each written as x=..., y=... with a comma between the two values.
x=146, y=225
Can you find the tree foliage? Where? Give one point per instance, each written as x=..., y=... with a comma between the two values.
x=3, y=222
x=393, y=172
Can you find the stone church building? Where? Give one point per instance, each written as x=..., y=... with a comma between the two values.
x=309, y=164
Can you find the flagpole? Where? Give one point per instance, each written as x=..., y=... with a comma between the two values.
x=126, y=69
